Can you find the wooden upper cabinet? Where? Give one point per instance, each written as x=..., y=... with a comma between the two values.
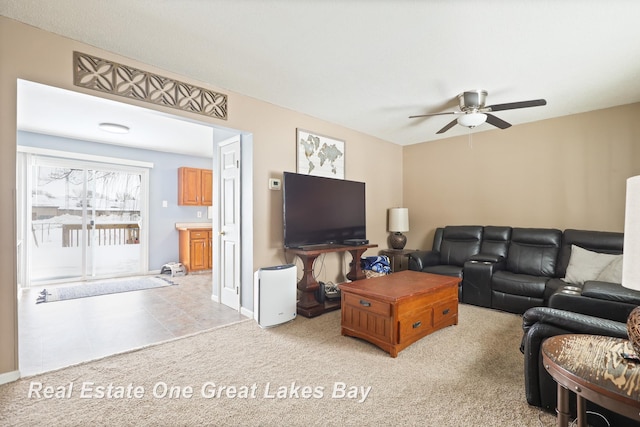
x=207, y=187
x=195, y=187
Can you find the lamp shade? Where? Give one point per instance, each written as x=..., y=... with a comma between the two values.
x=472, y=120
x=398, y=219
x=631, y=252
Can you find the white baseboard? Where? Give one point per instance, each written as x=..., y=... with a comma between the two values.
x=246, y=312
x=243, y=311
x=9, y=377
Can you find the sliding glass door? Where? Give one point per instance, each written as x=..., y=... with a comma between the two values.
x=85, y=220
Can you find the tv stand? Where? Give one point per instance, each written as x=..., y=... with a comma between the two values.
x=308, y=306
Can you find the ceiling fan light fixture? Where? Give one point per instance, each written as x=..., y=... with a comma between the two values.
x=472, y=120
x=114, y=128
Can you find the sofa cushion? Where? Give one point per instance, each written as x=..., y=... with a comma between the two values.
x=586, y=265
x=606, y=242
x=495, y=241
x=519, y=284
x=612, y=272
x=445, y=270
x=533, y=251
x=459, y=242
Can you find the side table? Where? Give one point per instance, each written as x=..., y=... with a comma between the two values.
x=594, y=369
x=398, y=258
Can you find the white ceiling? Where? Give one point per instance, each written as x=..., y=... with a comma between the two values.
x=369, y=64
x=54, y=111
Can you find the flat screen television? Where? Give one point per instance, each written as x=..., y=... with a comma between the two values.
x=319, y=210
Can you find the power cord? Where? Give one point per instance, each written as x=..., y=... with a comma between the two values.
x=574, y=423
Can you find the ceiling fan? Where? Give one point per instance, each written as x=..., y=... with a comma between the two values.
x=473, y=111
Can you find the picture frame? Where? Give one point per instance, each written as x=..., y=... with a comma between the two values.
x=319, y=155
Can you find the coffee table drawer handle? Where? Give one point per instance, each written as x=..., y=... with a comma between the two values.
x=417, y=324
x=365, y=303
x=445, y=311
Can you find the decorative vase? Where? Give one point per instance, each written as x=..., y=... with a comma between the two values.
x=633, y=329
x=397, y=240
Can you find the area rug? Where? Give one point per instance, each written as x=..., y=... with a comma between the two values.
x=102, y=288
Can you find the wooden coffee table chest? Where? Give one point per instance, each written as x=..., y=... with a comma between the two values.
x=396, y=310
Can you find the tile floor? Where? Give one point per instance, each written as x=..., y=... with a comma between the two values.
x=62, y=333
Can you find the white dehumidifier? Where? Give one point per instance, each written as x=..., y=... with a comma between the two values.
x=275, y=295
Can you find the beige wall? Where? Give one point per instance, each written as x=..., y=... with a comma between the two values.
x=568, y=172
x=31, y=54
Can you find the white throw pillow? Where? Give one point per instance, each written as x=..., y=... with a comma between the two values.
x=585, y=265
x=612, y=272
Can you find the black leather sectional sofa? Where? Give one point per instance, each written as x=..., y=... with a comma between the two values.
x=523, y=271
x=514, y=269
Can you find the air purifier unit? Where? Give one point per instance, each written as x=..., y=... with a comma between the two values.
x=275, y=295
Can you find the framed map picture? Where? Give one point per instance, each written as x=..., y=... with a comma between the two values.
x=320, y=155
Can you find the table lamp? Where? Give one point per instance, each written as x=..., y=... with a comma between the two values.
x=631, y=256
x=398, y=223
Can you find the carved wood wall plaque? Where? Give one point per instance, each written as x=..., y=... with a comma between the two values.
x=107, y=76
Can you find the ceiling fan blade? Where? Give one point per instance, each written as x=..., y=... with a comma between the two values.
x=449, y=126
x=515, y=105
x=499, y=123
x=435, y=114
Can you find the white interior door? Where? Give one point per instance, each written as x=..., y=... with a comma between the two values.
x=229, y=226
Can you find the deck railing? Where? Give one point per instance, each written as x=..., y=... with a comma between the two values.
x=106, y=234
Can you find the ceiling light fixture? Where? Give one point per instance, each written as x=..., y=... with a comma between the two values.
x=472, y=120
x=113, y=128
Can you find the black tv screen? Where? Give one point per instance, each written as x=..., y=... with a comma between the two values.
x=320, y=210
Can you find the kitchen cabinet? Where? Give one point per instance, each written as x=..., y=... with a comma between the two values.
x=195, y=187
x=196, y=249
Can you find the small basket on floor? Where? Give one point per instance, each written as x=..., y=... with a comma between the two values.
x=371, y=273
x=375, y=266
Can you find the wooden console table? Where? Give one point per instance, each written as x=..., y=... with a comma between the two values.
x=593, y=368
x=308, y=306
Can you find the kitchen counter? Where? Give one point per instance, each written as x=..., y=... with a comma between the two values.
x=193, y=225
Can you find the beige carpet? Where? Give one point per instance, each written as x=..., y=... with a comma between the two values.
x=301, y=373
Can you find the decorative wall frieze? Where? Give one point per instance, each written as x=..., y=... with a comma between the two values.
x=107, y=76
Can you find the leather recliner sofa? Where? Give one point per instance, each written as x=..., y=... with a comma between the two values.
x=596, y=298
x=513, y=269
x=530, y=263
x=523, y=270
x=540, y=323
x=452, y=247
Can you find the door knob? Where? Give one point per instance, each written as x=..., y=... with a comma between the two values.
x=222, y=233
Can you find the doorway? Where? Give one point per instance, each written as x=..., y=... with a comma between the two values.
x=86, y=177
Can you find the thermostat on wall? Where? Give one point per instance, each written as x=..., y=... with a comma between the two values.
x=274, y=184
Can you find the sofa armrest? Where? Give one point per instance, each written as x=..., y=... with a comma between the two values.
x=486, y=258
x=540, y=323
x=600, y=299
x=476, y=282
x=610, y=292
x=421, y=259
x=574, y=323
